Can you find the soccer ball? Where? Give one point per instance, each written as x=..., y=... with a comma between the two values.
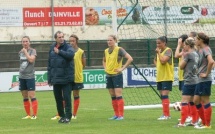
x=177, y=106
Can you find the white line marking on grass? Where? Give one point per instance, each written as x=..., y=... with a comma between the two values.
x=11, y=107
x=93, y=109
x=21, y=107
x=51, y=106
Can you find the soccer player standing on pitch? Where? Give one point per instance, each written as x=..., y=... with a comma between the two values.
x=165, y=73
x=178, y=54
x=80, y=62
x=27, y=78
x=189, y=64
x=112, y=63
x=61, y=75
x=203, y=88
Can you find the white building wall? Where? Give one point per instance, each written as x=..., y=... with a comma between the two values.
x=99, y=32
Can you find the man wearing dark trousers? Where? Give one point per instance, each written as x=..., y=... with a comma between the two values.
x=61, y=75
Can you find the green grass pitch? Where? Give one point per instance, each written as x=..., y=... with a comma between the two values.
x=95, y=109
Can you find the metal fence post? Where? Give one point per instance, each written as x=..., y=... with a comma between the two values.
x=149, y=50
x=88, y=53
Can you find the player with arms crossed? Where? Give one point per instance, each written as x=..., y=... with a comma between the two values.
x=27, y=78
x=165, y=73
x=112, y=63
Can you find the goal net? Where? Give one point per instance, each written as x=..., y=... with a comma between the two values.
x=147, y=20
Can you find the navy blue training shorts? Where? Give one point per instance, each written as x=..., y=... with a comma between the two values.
x=77, y=86
x=115, y=81
x=203, y=88
x=27, y=84
x=189, y=90
x=164, y=85
x=181, y=84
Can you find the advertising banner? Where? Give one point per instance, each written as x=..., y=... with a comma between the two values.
x=93, y=79
x=11, y=17
x=103, y=15
x=63, y=16
x=173, y=14
x=134, y=78
x=75, y=16
x=10, y=81
x=207, y=14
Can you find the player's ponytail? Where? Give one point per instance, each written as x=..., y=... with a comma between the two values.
x=114, y=37
x=203, y=37
x=75, y=36
x=163, y=39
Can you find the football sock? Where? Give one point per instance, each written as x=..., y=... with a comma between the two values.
x=120, y=103
x=26, y=104
x=200, y=110
x=165, y=103
x=34, y=105
x=189, y=110
x=115, y=105
x=208, y=113
x=184, y=112
x=193, y=111
x=76, y=104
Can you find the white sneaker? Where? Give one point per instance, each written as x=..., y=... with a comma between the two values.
x=191, y=124
x=181, y=125
x=199, y=121
x=56, y=117
x=202, y=127
x=164, y=117
x=74, y=117
x=26, y=117
x=188, y=119
x=33, y=117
